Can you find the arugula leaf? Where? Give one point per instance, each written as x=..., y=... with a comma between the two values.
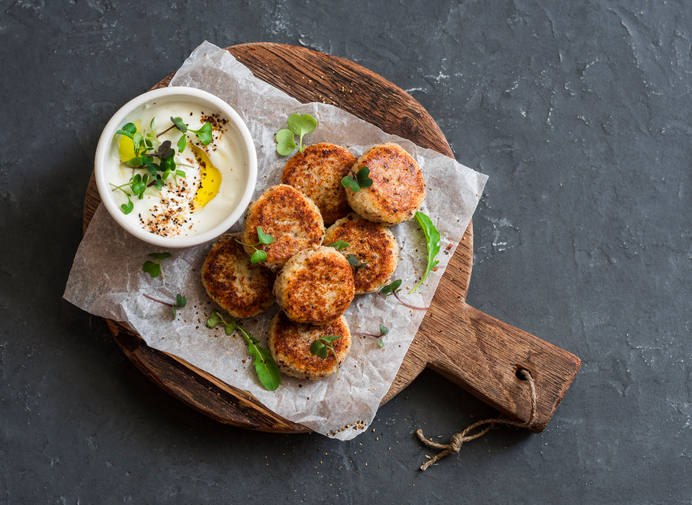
x=301, y=125
x=265, y=366
x=361, y=180
x=320, y=346
x=216, y=319
x=285, y=142
x=339, y=245
x=432, y=238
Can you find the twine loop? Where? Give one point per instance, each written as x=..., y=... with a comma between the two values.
x=458, y=439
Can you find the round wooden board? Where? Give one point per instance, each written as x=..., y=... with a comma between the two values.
x=477, y=352
x=308, y=76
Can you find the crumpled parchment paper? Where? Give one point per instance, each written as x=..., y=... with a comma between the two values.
x=107, y=279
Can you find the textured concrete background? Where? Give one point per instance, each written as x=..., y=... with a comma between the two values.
x=580, y=114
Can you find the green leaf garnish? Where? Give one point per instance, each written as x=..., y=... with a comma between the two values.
x=265, y=366
x=152, y=268
x=179, y=124
x=391, y=288
x=383, y=330
x=297, y=125
x=179, y=302
x=204, y=133
x=285, y=143
x=127, y=207
x=320, y=346
x=216, y=319
x=432, y=240
x=361, y=180
x=339, y=245
x=128, y=130
x=182, y=142
x=355, y=262
x=301, y=125
x=259, y=255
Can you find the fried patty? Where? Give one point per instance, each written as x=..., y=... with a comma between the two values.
x=290, y=217
x=289, y=343
x=373, y=244
x=317, y=173
x=236, y=285
x=315, y=286
x=397, y=190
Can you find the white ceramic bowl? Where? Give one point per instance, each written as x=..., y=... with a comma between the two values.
x=209, y=103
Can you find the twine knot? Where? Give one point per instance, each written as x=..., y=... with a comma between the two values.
x=458, y=439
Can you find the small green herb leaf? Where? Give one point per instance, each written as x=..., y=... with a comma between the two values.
x=127, y=207
x=301, y=125
x=380, y=342
x=128, y=130
x=216, y=319
x=320, y=346
x=432, y=240
x=179, y=124
x=355, y=262
x=285, y=142
x=391, y=288
x=180, y=301
x=258, y=256
x=339, y=245
x=361, y=180
x=204, y=134
x=264, y=238
x=383, y=330
x=151, y=268
x=182, y=142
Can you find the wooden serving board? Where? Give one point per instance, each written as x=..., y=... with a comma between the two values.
x=477, y=352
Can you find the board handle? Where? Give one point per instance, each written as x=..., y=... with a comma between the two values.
x=483, y=355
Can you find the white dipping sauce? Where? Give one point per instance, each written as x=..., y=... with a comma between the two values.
x=173, y=211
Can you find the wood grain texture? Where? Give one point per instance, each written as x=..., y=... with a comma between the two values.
x=474, y=350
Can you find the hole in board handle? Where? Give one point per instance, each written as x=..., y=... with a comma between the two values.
x=519, y=373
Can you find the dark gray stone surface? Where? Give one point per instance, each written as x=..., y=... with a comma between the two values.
x=580, y=114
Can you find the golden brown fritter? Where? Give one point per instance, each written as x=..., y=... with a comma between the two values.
x=315, y=286
x=290, y=217
x=397, y=191
x=236, y=285
x=373, y=244
x=289, y=343
x=317, y=173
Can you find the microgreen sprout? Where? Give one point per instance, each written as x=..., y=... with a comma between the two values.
x=299, y=125
x=383, y=331
x=152, y=268
x=180, y=302
x=361, y=180
x=393, y=289
x=339, y=245
x=264, y=238
x=320, y=346
x=355, y=262
x=265, y=366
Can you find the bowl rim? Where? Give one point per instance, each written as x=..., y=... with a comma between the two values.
x=107, y=138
